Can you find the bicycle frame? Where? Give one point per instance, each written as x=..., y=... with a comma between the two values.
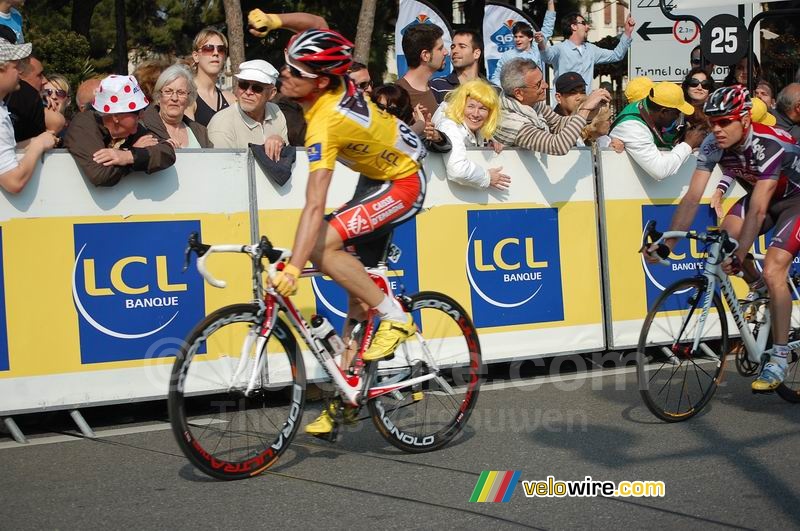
x=713, y=273
x=350, y=386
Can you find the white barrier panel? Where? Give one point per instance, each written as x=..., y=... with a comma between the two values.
x=95, y=303
x=94, y=299
x=523, y=263
x=629, y=197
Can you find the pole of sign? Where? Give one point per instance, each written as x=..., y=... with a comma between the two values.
x=691, y=18
x=752, y=27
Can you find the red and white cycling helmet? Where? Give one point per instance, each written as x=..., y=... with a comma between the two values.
x=321, y=51
x=728, y=101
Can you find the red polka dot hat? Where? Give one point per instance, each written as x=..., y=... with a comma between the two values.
x=118, y=94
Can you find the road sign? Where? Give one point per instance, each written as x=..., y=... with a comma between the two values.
x=725, y=40
x=661, y=47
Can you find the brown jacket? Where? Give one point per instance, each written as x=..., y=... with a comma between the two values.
x=153, y=122
x=86, y=135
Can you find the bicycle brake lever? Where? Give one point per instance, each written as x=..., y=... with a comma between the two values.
x=194, y=244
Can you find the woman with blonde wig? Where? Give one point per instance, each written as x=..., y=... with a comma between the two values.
x=471, y=118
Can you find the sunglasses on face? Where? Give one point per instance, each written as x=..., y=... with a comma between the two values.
x=297, y=72
x=208, y=49
x=57, y=92
x=696, y=61
x=694, y=82
x=725, y=121
x=364, y=85
x=244, y=86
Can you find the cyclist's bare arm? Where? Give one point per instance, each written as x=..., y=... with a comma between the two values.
x=687, y=208
x=262, y=23
x=756, y=212
x=311, y=219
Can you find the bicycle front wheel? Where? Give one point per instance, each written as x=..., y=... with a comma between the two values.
x=425, y=417
x=675, y=379
x=223, y=429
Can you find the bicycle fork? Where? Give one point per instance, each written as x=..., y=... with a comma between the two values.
x=257, y=336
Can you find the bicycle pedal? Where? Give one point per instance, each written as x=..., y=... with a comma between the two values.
x=764, y=392
x=416, y=396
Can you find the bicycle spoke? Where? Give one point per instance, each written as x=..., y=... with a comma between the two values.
x=670, y=330
x=239, y=437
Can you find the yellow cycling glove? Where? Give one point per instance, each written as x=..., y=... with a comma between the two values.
x=285, y=282
x=262, y=23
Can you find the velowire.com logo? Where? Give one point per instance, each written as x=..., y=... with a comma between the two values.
x=495, y=486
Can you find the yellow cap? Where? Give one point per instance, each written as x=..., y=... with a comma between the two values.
x=759, y=113
x=638, y=88
x=670, y=95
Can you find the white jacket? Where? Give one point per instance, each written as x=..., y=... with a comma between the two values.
x=640, y=146
x=459, y=168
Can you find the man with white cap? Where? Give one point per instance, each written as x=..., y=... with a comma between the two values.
x=108, y=142
x=254, y=119
x=646, y=125
x=14, y=174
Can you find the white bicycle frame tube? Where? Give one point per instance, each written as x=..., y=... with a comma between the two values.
x=351, y=393
x=712, y=271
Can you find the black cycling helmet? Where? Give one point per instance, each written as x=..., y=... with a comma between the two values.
x=728, y=101
x=321, y=51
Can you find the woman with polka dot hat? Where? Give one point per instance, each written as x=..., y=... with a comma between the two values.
x=108, y=141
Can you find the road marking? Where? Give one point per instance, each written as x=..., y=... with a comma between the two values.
x=116, y=432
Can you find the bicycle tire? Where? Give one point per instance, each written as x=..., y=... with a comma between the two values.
x=789, y=390
x=660, y=370
x=222, y=432
x=428, y=416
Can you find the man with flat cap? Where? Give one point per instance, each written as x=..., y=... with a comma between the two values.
x=254, y=119
x=15, y=174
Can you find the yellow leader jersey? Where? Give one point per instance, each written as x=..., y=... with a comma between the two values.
x=346, y=127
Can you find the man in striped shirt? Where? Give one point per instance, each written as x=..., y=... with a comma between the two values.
x=526, y=121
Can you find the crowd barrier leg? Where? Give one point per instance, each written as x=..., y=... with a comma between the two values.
x=14, y=430
x=86, y=430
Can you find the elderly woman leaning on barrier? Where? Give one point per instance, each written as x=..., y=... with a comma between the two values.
x=471, y=117
x=174, y=92
x=108, y=142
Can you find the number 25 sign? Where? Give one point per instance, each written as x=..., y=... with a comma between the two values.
x=724, y=40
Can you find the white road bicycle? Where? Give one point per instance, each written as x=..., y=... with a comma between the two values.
x=237, y=389
x=684, y=340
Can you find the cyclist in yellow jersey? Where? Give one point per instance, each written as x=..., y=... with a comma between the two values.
x=343, y=125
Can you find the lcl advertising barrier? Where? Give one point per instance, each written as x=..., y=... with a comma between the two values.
x=523, y=262
x=94, y=300
x=629, y=197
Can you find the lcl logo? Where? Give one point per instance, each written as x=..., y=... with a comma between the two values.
x=127, y=285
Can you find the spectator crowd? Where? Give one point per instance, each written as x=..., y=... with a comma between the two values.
x=117, y=124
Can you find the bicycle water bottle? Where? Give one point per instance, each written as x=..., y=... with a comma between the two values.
x=323, y=330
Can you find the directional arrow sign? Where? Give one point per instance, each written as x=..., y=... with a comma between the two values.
x=661, y=47
x=645, y=31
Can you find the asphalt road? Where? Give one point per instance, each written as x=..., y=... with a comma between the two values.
x=732, y=466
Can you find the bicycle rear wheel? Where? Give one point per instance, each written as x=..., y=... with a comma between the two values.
x=675, y=380
x=221, y=430
x=425, y=417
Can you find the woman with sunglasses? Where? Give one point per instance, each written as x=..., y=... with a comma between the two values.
x=208, y=60
x=174, y=91
x=56, y=93
x=697, y=86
